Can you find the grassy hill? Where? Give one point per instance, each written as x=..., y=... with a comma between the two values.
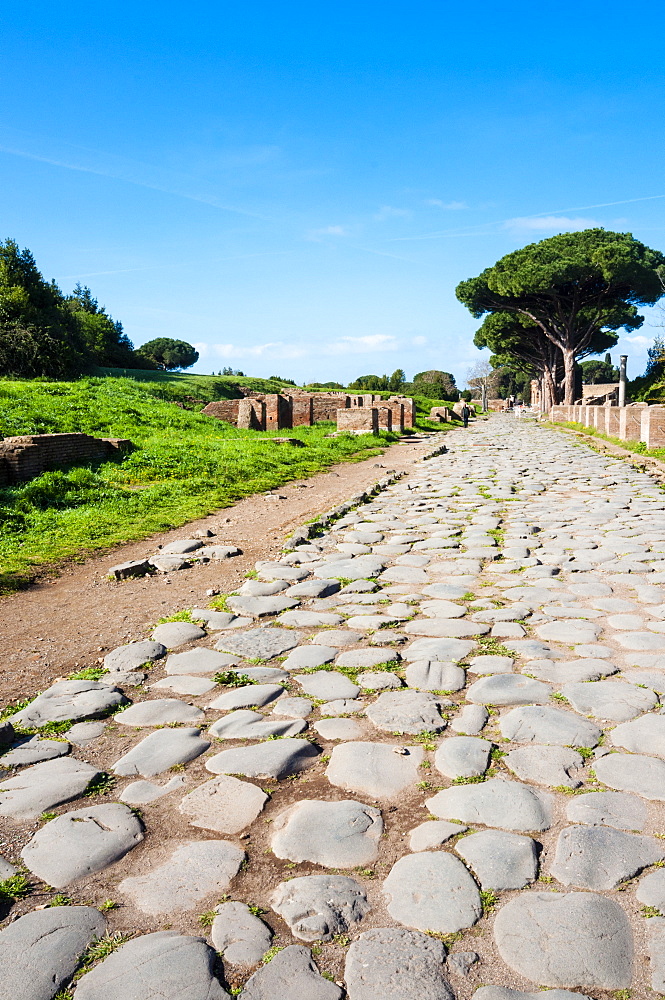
x=189, y=389
x=184, y=465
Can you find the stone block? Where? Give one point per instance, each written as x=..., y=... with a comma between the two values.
x=652, y=426
x=358, y=420
x=630, y=421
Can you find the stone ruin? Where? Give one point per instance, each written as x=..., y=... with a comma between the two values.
x=24, y=457
x=359, y=414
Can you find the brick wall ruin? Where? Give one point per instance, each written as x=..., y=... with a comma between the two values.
x=22, y=458
x=634, y=422
x=278, y=411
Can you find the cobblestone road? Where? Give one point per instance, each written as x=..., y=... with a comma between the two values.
x=420, y=757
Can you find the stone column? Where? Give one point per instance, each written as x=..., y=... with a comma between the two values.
x=623, y=359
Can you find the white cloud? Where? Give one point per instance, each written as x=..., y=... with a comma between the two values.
x=372, y=344
x=274, y=349
x=640, y=340
x=548, y=224
x=419, y=341
x=388, y=212
x=318, y=234
x=447, y=206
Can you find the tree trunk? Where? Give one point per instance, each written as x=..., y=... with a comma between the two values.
x=569, y=376
x=548, y=390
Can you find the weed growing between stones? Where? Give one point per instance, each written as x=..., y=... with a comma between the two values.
x=88, y=674
x=60, y=900
x=101, y=785
x=100, y=949
x=489, y=900
x=490, y=646
x=229, y=678
x=270, y=954
x=108, y=904
x=206, y=919
x=15, y=887
x=180, y=616
x=47, y=816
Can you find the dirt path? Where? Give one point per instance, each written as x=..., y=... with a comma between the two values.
x=58, y=625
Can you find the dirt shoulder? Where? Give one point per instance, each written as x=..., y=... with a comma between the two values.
x=57, y=626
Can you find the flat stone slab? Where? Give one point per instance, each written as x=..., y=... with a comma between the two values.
x=281, y=571
x=406, y=712
x=181, y=546
x=37, y=789
x=310, y=619
x=373, y=769
x=548, y=725
x=651, y=890
x=34, y=751
x=573, y=939
x=471, y=720
x=306, y=657
x=433, y=833
x=444, y=650
x=571, y=672
x=337, y=637
x=358, y=568
x=261, y=643
x=600, y=857
x=343, y=706
x=633, y=773
x=641, y=641
x=505, y=993
x=290, y=975
x=153, y=967
x=243, y=724
x=463, y=756
x=213, y=620
x=546, y=765
x=362, y=659
x=396, y=964
x=40, y=951
x=317, y=907
x=184, y=684
x=612, y=700
x=314, y=588
x=500, y=860
x=445, y=591
x=508, y=805
x=239, y=936
x=339, y=729
x=645, y=735
x=619, y=809
x=81, y=842
x=378, y=680
x=67, y=700
x=133, y=655
x=199, y=661
x=261, y=607
x=428, y=675
x=161, y=750
x=453, y=628
x=328, y=684
x=531, y=649
x=341, y=834
x=293, y=708
x=140, y=793
x=432, y=891
x=571, y=631
x=491, y=664
x=276, y=759
x=224, y=804
x=174, y=634
x=250, y=694
x=193, y=871
x=508, y=689
x=159, y=712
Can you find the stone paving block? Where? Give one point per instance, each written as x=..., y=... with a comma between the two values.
x=184, y=684
x=40, y=951
x=359, y=659
x=644, y=735
x=339, y=729
x=134, y=655
x=651, y=890
x=491, y=664
x=293, y=708
x=374, y=770
x=406, y=712
x=37, y=789
x=153, y=967
x=599, y=857
x=356, y=568
x=224, y=804
x=432, y=891
x=328, y=684
x=160, y=751
x=238, y=935
x=574, y=939
x=310, y=619
x=508, y=805
x=500, y=860
x=159, y=712
x=548, y=725
x=307, y=657
x=199, y=661
x=81, y=842
x=616, y=701
x=193, y=871
x=471, y=720
x=633, y=773
x=317, y=907
x=33, y=751
x=69, y=700
x=378, y=680
x=174, y=634
x=244, y=724
x=396, y=964
x=139, y=793
x=462, y=756
x=265, y=760
x=340, y=834
x=428, y=675
x=261, y=643
x=290, y=975
x=243, y=697
x=445, y=650
x=260, y=607
x=508, y=689
x=433, y=833
x=546, y=765
x=619, y=809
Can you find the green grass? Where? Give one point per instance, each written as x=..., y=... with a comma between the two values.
x=183, y=466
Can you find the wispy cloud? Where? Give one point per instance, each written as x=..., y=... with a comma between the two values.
x=388, y=212
x=639, y=340
x=447, y=206
x=319, y=234
x=376, y=343
x=276, y=350
x=419, y=341
x=548, y=224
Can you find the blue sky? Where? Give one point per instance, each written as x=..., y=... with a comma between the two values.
x=297, y=188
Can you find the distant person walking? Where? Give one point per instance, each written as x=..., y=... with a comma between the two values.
x=466, y=413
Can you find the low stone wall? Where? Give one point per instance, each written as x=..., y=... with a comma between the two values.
x=635, y=422
x=22, y=458
x=359, y=419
